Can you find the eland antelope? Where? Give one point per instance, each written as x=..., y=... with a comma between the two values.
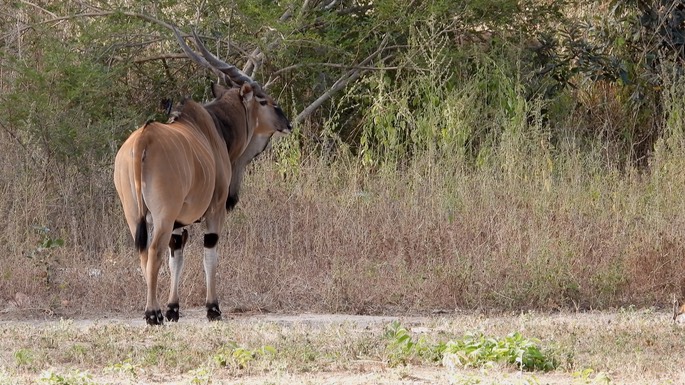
x=171, y=175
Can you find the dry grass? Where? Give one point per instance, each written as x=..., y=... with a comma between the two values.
x=534, y=231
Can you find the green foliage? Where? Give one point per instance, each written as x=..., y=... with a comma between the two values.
x=47, y=242
x=400, y=344
x=75, y=377
x=201, y=376
x=64, y=105
x=23, y=357
x=401, y=348
x=126, y=367
x=589, y=376
x=477, y=350
x=42, y=255
x=105, y=74
x=473, y=350
x=236, y=356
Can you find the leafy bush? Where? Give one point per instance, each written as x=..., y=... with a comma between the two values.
x=477, y=350
x=402, y=348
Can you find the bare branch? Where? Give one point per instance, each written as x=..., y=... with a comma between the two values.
x=332, y=65
x=94, y=14
x=161, y=57
x=341, y=83
x=303, y=10
x=39, y=7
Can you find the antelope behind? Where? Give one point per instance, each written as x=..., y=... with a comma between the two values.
x=171, y=175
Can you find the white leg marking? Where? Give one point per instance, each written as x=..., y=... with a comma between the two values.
x=176, y=269
x=211, y=262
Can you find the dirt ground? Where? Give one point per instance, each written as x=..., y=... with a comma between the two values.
x=628, y=326
x=365, y=372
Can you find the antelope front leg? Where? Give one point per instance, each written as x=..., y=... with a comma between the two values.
x=179, y=237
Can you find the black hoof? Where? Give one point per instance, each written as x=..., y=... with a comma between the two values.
x=172, y=313
x=154, y=317
x=213, y=312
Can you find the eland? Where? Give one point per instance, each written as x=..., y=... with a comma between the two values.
x=188, y=170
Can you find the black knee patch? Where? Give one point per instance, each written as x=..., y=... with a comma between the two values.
x=178, y=241
x=211, y=240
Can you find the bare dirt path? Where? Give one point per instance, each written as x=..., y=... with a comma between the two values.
x=196, y=316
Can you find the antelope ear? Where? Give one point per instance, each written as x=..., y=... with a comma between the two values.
x=246, y=92
x=218, y=90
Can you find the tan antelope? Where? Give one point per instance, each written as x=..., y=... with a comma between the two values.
x=171, y=175
x=678, y=311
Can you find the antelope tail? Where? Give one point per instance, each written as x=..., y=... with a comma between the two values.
x=139, y=154
x=141, y=235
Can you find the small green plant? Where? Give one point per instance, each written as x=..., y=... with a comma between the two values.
x=588, y=376
x=240, y=357
x=75, y=377
x=400, y=344
x=42, y=256
x=477, y=350
x=125, y=367
x=201, y=376
x=46, y=243
x=401, y=347
x=23, y=357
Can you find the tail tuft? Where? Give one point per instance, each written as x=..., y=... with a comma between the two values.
x=141, y=235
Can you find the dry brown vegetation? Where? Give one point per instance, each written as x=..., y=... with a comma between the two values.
x=334, y=237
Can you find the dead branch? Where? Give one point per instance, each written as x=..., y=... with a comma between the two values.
x=39, y=8
x=161, y=57
x=332, y=65
x=93, y=14
x=341, y=83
